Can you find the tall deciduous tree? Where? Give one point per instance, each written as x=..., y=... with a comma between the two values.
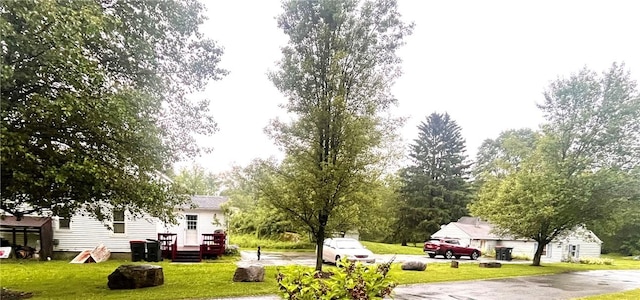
x=435, y=190
x=336, y=72
x=94, y=103
x=505, y=154
x=581, y=170
x=198, y=181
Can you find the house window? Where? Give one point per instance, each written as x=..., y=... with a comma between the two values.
x=544, y=250
x=64, y=223
x=192, y=222
x=574, y=251
x=118, y=221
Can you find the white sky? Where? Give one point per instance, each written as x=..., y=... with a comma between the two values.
x=486, y=63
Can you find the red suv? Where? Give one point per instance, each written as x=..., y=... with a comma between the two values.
x=449, y=248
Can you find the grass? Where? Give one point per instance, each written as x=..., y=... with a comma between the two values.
x=628, y=295
x=61, y=280
x=381, y=248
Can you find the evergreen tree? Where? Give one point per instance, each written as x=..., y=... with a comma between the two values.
x=435, y=189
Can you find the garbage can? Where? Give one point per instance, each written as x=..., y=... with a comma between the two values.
x=137, y=250
x=153, y=250
x=500, y=253
x=507, y=253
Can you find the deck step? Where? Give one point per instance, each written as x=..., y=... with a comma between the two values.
x=187, y=256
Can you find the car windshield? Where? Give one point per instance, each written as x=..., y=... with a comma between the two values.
x=348, y=244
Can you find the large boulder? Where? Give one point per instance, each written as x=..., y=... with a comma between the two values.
x=251, y=273
x=135, y=276
x=414, y=266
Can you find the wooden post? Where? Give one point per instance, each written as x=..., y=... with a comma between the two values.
x=454, y=264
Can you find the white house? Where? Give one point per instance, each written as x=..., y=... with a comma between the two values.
x=579, y=243
x=206, y=217
x=80, y=233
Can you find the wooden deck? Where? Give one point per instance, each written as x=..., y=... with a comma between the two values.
x=188, y=248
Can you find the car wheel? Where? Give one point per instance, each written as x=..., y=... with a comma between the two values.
x=448, y=254
x=432, y=255
x=338, y=264
x=474, y=255
x=457, y=256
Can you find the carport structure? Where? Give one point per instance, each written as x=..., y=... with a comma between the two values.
x=25, y=225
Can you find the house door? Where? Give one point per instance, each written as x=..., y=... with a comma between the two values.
x=191, y=234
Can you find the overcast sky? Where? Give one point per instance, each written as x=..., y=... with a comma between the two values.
x=486, y=63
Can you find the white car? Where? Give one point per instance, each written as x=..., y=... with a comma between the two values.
x=337, y=248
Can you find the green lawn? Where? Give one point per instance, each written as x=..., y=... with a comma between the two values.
x=628, y=295
x=381, y=248
x=61, y=280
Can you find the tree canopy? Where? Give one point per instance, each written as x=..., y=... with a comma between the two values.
x=336, y=72
x=94, y=103
x=580, y=171
x=198, y=181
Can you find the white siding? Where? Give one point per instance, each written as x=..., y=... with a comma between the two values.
x=557, y=251
x=204, y=225
x=86, y=233
x=586, y=247
x=452, y=231
x=520, y=248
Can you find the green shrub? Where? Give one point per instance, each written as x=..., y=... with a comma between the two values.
x=596, y=261
x=232, y=250
x=352, y=281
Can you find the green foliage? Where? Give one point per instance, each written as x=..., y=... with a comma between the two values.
x=93, y=103
x=434, y=188
x=581, y=169
x=504, y=155
x=592, y=261
x=336, y=72
x=261, y=222
x=353, y=281
x=198, y=181
x=232, y=250
x=247, y=241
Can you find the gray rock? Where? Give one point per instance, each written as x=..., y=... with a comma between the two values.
x=135, y=277
x=414, y=266
x=251, y=273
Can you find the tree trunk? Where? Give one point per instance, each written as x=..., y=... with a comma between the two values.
x=538, y=254
x=323, y=218
x=404, y=243
x=319, y=244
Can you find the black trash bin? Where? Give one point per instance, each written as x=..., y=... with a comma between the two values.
x=500, y=253
x=507, y=253
x=137, y=250
x=153, y=250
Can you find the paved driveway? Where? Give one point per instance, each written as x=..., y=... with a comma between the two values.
x=547, y=287
x=309, y=258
